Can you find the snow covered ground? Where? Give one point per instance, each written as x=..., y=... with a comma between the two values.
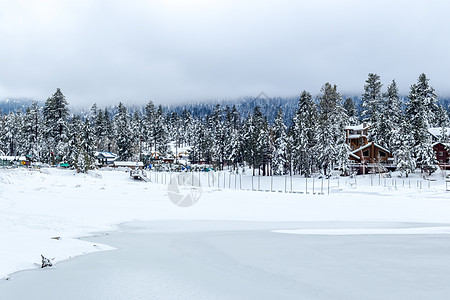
x=37, y=206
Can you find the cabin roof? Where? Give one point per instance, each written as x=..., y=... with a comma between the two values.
x=447, y=145
x=369, y=145
x=129, y=163
x=362, y=126
x=105, y=154
x=436, y=131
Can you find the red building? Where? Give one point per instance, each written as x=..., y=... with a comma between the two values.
x=442, y=154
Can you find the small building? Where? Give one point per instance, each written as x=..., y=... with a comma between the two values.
x=356, y=135
x=105, y=158
x=129, y=164
x=6, y=161
x=371, y=158
x=442, y=151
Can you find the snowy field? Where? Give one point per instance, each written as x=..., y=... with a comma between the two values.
x=372, y=222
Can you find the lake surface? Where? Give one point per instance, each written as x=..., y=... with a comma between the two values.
x=245, y=260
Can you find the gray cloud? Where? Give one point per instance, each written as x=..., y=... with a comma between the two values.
x=175, y=50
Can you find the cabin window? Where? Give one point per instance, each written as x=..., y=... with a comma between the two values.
x=358, y=132
x=366, y=153
x=351, y=131
x=382, y=154
x=440, y=153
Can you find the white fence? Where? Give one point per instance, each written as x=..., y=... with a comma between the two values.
x=318, y=185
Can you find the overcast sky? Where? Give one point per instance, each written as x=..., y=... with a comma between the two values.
x=173, y=51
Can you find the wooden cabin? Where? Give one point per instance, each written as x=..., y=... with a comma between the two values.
x=371, y=158
x=105, y=158
x=371, y=153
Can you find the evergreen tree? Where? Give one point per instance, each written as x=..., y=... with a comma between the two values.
x=331, y=147
x=404, y=149
x=279, y=136
x=56, y=114
x=149, y=125
x=137, y=135
x=304, y=135
x=123, y=133
x=350, y=109
x=392, y=116
x=373, y=106
x=160, y=135
x=420, y=114
x=10, y=134
x=32, y=129
x=218, y=140
x=442, y=118
x=75, y=129
x=85, y=160
x=109, y=136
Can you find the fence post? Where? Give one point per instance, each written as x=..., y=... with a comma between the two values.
x=285, y=183
x=259, y=182
x=328, y=185
x=321, y=186
x=291, y=183
x=271, y=183
x=306, y=185
x=313, y=184
x=240, y=181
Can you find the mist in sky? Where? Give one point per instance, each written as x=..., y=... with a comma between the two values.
x=172, y=51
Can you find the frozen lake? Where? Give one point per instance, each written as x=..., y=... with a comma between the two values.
x=246, y=260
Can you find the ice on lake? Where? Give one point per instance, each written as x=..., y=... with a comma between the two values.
x=247, y=260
